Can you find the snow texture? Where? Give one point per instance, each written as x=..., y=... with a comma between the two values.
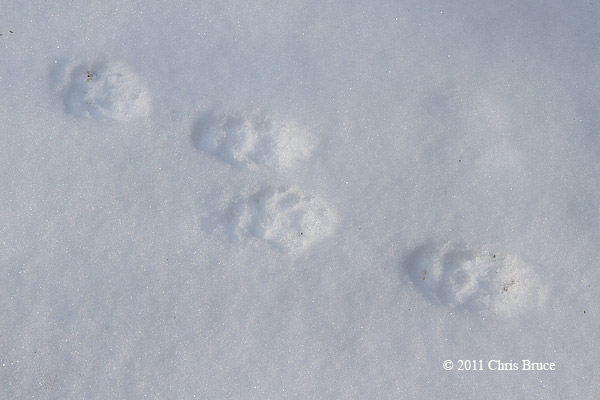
x=474, y=278
x=286, y=217
x=106, y=89
x=299, y=200
x=253, y=141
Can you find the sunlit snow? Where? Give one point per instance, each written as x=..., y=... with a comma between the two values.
x=299, y=199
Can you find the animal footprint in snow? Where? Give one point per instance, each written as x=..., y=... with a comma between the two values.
x=251, y=141
x=106, y=90
x=285, y=217
x=473, y=278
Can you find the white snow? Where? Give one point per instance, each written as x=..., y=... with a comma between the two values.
x=286, y=217
x=253, y=141
x=299, y=199
x=111, y=91
x=476, y=279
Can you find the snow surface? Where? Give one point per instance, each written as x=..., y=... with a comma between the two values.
x=299, y=199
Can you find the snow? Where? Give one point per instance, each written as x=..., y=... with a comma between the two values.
x=299, y=199
x=476, y=279
x=253, y=141
x=109, y=91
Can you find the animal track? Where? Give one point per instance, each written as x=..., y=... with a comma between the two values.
x=106, y=90
x=252, y=141
x=473, y=278
x=285, y=217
